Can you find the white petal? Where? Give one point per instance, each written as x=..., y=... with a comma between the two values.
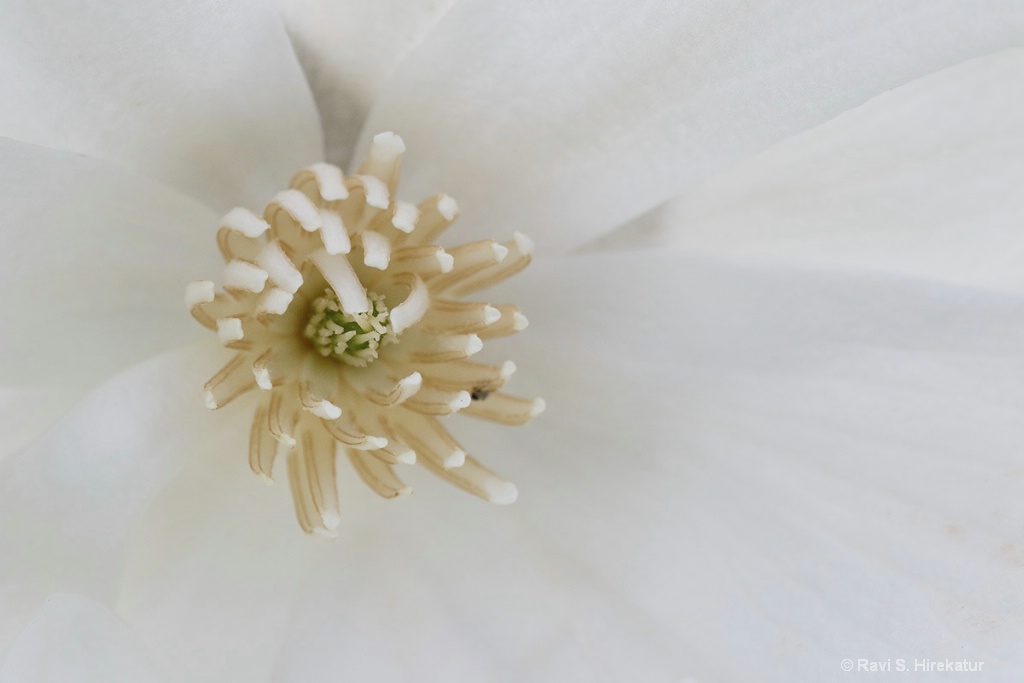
x=924, y=180
x=94, y=268
x=486, y=600
x=70, y=502
x=209, y=584
x=72, y=639
x=25, y=412
x=206, y=96
x=736, y=467
x=793, y=466
x=570, y=118
x=228, y=586
x=348, y=48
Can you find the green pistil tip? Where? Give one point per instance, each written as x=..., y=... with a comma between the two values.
x=350, y=338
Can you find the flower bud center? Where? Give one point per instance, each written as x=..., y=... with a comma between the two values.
x=352, y=338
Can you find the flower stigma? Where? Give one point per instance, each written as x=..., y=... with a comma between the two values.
x=352, y=338
x=352, y=325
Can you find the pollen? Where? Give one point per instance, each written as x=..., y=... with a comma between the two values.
x=355, y=331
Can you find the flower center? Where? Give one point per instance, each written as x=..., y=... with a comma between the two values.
x=352, y=338
x=332, y=383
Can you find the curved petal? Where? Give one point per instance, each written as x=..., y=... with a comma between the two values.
x=441, y=586
x=741, y=475
x=72, y=639
x=209, y=583
x=95, y=266
x=923, y=180
x=25, y=413
x=782, y=468
x=205, y=96
x=444, y=587
x=347, y=49
x=71, y=501
x=567, y=119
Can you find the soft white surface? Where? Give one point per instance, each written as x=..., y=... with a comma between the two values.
x=925, y=179
x=205, y=95
x=565, y=119
x=786, y=468
x=74, y=640
x=70, y=500
x=24, y=412
x=743, y=474
x=348, y=48
x=95, y=266
x=807, y=465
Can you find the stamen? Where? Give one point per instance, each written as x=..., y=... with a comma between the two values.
x=395, y=453
x=480, y=481
x=278, y=364
x=235, y=245
x=263, y=445
x=520, y=253
x=208, y=306
x=424, y=261
x=510, y=410
x=233, y=380
x=317, y=450
x=345, y=315
x=378, y=475
x=430, y=441
x=333, y=234
x=245, y=221
x=274, y=302
x=343, y=280
x=461, y=374
x=376, y=250
x=470, y=259
x=375, y=193
x=431, y=400
x=244, y=276
x=431, y=348
x=346, y=432
x=318, y=386
x=415, y=306
x=405, y=217
x=322, y=181
x=509, y=322
x=284, y=414
x=384, y=160
x=461, y=316
x=279, y=268
x=436, y=215
x=229, y=330
x=380, y=387
x=296, y=206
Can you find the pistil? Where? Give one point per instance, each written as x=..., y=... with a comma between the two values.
x=352, y=338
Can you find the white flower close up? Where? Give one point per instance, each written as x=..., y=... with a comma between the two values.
x=775, y=308
x=351, y=320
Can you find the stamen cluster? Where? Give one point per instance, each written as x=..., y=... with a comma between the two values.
x=351, y=322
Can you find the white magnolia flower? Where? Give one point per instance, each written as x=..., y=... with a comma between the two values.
x=751, y=469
